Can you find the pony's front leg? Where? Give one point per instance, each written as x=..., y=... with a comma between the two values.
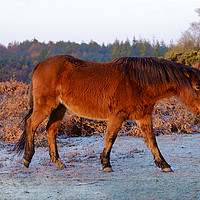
x=114, y=123
x=149, y=137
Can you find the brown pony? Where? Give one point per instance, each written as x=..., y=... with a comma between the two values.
x=124, y=89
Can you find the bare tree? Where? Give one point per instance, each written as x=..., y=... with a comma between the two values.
x=190, y=39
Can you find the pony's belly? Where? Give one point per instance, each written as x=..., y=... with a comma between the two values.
x=91, y=114
x=88, y=111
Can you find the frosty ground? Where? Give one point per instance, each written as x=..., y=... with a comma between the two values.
x=135, y=175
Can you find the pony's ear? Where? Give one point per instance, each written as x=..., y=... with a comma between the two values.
x=188, y=73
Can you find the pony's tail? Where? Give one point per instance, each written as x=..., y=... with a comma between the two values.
x=21, y=143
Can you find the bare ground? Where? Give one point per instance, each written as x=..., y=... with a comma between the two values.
x=135, y=175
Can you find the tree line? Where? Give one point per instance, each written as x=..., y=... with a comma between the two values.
x=19, y=58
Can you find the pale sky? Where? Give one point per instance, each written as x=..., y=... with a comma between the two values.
x=102, y=21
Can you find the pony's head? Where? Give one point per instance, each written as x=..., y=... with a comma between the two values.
x=190, y=95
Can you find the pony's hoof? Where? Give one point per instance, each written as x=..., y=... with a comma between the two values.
x=25, y=163
x=168, y=169
x=60, y=165
x=107, y=169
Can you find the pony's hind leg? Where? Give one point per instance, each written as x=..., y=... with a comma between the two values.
x=30, y=127
x=149, y=137
x=56, y=117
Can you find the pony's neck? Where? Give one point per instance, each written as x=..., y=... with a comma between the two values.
x=162, y=92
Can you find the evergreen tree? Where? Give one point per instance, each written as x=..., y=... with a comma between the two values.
x=42, y=54
x=156, y=49
x=127, y=48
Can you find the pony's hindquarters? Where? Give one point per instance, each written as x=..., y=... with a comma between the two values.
x=45, y=100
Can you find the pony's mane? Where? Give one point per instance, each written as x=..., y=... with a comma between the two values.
x=152, y=71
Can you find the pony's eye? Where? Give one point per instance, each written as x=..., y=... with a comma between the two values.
x=197, y=87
